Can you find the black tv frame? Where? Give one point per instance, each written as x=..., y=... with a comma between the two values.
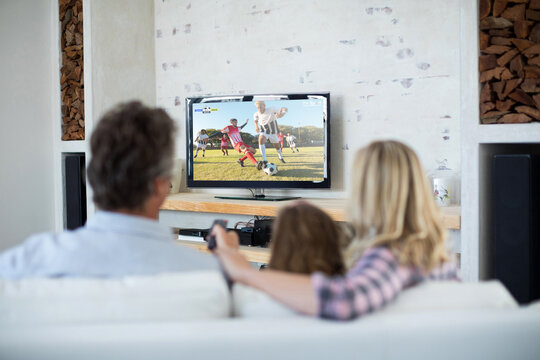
x=189, y=101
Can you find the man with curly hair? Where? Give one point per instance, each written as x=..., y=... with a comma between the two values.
x=130, y=169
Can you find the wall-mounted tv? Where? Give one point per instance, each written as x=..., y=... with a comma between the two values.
x=258, y=141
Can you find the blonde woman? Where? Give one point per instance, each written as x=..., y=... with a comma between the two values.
x=400, y=242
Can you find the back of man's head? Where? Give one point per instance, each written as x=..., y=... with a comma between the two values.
x=131, y=146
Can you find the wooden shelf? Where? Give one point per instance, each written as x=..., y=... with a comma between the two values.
x=253, y=254
x=336, y=208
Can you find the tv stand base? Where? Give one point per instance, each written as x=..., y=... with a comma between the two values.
x=258, y=197
x=258, y=194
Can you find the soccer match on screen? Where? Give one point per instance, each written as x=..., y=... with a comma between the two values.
x=279, y=140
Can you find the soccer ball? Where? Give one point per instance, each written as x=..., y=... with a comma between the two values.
x=270, y=169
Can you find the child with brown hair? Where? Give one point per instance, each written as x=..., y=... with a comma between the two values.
x=305, y=240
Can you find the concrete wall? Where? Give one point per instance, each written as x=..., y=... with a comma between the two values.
x=393, y=68
x=26, y=124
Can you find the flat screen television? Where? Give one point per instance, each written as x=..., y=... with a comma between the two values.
x=224, y=136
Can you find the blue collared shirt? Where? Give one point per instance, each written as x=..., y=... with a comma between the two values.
x=109, y=245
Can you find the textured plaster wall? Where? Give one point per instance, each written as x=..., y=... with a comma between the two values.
x=392, y=67
x=122, y=53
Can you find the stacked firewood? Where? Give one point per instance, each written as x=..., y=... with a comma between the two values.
x=72, y=73
x=509, y=61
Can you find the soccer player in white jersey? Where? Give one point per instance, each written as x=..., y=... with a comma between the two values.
x=267, y=127
x=201, y=139
x=291, y=140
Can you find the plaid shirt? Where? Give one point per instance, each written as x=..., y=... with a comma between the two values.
x=375, y=280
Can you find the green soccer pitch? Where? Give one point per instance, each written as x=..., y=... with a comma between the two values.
x=306, y=165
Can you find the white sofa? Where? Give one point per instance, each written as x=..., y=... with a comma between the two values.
x=192, y=316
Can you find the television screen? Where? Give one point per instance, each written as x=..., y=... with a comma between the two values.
x=258, y=141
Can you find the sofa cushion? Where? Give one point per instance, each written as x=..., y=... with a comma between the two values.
x=449, y=335
x=451, y=295
x=167, y=297
x=428, y=296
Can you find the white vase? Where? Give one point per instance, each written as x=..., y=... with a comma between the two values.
x=442, y=191
x=445, y=186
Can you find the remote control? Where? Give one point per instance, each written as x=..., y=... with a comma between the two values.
x=211, y=238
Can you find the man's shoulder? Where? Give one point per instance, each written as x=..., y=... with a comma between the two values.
x=48, y=239
x=31, y=256
x=52, y=243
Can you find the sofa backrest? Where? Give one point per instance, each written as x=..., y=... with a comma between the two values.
x=452, y=295
x=198, y=295
x=428, y=296
x=183, y=296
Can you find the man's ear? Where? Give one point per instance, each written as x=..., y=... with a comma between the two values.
x=162, y=186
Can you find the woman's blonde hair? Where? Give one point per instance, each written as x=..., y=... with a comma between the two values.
x=304, y=240
x=391, y=205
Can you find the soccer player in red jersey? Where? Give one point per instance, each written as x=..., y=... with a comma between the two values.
x=280, y=138
x=224, y=144
x=233, y=131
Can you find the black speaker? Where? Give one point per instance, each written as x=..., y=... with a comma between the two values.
x=245, y=236
x=74, y=190
x=262, y=232
x=516, y=224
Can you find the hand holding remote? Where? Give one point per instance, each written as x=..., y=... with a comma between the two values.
x=212, y=238
x=233, y=263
